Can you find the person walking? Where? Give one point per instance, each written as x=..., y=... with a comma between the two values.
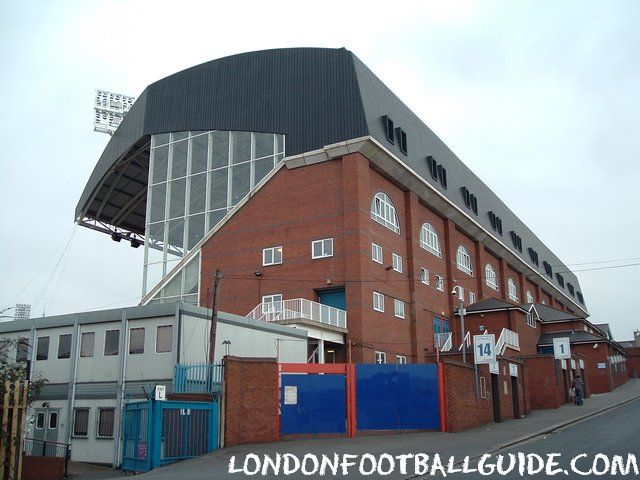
x=578, y=387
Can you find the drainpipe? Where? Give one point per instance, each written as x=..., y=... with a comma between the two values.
x=71, y=396
x=122, y=352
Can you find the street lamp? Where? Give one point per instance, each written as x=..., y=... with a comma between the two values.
x=457, y=290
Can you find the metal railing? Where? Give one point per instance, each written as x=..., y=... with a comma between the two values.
x=41, y=448
x=299, y=308
x=198, y=378
x=508, y=338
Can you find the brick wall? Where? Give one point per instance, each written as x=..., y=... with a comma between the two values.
x=633, y=362
x=544, y=383
x=463, y=409
x=42, y=468
x=250, y=400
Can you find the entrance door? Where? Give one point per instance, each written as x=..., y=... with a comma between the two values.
x=515, y=395
x=333, y=298
x=495, y=395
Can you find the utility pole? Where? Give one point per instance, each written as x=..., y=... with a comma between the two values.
x=214, y=315
x=457, y=290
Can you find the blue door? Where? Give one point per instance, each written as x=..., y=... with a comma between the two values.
x=334, y=298
x=313, y=404
x=397, y=397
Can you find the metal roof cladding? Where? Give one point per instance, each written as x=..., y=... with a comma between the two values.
x=315, y=97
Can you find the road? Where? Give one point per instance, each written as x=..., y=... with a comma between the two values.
x=616, y=432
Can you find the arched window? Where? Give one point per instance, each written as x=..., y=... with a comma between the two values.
x=513, y=290
x=383, y=212
x=463, y=260
x=490, y=277
x=429, y=239
x=529, y=297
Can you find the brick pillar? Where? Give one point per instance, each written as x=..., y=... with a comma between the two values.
x=449, y=255
x=521, y=286
x=356, y=194
x=537, y=294
x=502, y=272
x=481, y=261
x=411, y=230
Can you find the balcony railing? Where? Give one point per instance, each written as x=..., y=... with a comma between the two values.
x=508, y=338
x=299, y=308
x=198, y=378
x=443, y=341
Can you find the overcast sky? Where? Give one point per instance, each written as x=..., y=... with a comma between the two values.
x=540, y=99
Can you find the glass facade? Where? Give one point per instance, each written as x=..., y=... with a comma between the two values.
x=195, y=179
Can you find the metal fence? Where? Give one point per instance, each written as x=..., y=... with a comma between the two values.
x=161, y=432
x=299, y=309
x=198, y=378
x=33, y=447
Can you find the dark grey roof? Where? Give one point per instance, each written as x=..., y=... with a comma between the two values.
x=491, y=304
x=629, y=344
x=574, y=336
x=550, y=314
x=315, y=97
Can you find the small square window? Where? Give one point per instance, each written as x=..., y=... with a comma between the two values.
x=397, y=263
x=164, y=338
x=42, y=352
x=388, y=128
x=439, y=283
x=87, y=342
x=272, y=256
x=402, y=359
x=376, y=253
x=378, y=302
x=81, y=422
x=398, y=306
x=322, y=248
x=106, y=417
x=111, y=342
x=424, y=276
x=64, y=345
x=381, y=357
x=136, y=341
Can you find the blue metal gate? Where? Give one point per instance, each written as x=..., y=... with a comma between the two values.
x=313, y=404
x=157, y=433
x=397, y=397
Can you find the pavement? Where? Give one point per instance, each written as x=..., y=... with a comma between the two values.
x=473, y=443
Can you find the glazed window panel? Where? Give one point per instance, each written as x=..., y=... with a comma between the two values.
x=160, y=164
x=158, y=202
x=87, y=343
x=241, y=147
x=463, y=260
x=179, y=152
x=264, y=144
x=490, y=277
x=197, y=193
x=199, y=153
x=218, y=188
x=241, y=182
x=384, y=212
x=220, y=149
x=429, y=239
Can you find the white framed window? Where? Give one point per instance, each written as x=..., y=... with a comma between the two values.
x=439, y=283
x=164, y=338
x=472, y=297
x=463, y=260
x=322, y=248
x=105, y=420
x=424, y=276
x=376, y=253
x=402, y=359
x=272, y=303
x=531, y=320
x=384, y=212
x=490, y=277
x=381, y=357
x=512, y=290
x=398, y=308
x=429, y=239
x=397, y=262
x=272, y=256
x=378, y=302
x=529, y=297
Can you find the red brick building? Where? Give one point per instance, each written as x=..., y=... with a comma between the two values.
x=322, y=200
x=632, y=348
